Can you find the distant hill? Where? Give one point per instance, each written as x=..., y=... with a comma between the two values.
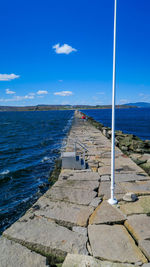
x=139, y=104
x=58, y=107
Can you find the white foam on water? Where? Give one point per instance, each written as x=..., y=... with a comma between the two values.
x=4, y=172
x=46, y=159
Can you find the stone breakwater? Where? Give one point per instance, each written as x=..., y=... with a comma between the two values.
x=131, y=145
x=72, y=224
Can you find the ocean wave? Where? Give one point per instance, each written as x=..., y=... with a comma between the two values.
x=47, y=159
x=69, y=123
x=4, y=172
x=29, y=148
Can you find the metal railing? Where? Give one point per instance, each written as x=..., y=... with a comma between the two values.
x=77, y=142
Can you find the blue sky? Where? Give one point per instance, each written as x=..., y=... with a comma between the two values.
x=60, y=52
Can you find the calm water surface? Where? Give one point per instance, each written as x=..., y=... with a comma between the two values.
x=134, y=120
x=29, y=144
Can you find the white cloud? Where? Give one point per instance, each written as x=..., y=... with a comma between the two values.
x=18, y=98
x=42, y=92
x=9, y=92
x=8, y=77
x=64, y=49
x=29, y=96
x=64, y=93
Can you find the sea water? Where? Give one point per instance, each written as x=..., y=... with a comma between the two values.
x=130, y=120
x=29, y=144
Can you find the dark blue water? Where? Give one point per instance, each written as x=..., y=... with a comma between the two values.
x=134, y=121
x=29, y=144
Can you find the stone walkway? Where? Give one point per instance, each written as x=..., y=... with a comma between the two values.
x=73, y=222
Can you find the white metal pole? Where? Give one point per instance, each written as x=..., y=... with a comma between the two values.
x=112, y=200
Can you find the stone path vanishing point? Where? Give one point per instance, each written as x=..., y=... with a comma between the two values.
x=73, y=222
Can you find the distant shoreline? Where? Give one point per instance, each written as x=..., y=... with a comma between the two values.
x=50, y=107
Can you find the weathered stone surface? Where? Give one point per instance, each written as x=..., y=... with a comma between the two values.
x=130, y=197
x=16, y=255
x=139, y=187
x=80, y=230
x=85, y=185
x=87, y=175
x=88, y=261
x=145, y=247
x=106, y=213
x=64, y=213
x=113, y=243
x=142, y=205
x=130, y=177
x=105, y=178
x=104, y=190
x=139, y=263
x=139, y=226
x=104, y=170
x=126, y=165
x=146, y=167
x=138, y=159
x=105, y=161
x=95, y=202
x=124, y=148
x=72, y=195
x=146, y=264
x=46, y=237
x=145, y=157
